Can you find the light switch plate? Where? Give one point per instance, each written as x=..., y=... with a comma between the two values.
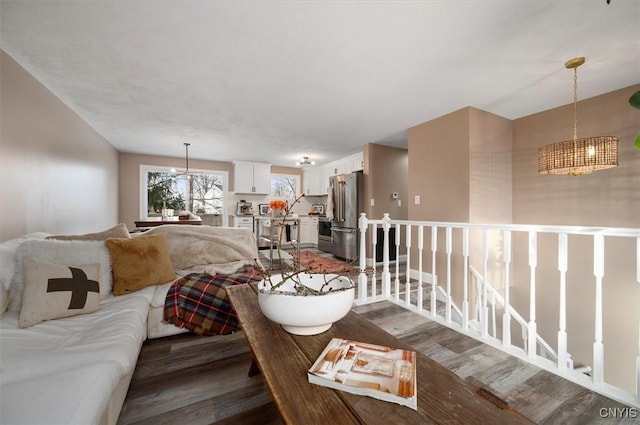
x=373, y=202
x=416, y=199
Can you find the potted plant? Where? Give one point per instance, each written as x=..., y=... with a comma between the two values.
x=303, y=303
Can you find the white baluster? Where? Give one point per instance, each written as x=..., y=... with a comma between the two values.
x=484, y=315
x=386, y=276
x=408, y=283
x=434, y=278
x=533, y=262
x=465, y=296
x=563, y=245
x=362, y=276
x=397, y=279
x=598, y=272
x=638, y=359
x=420, y=248
x=448, y=301
x=506, y=317
x=493, y=316
x=374, y=274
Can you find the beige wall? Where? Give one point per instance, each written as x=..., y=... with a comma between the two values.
x=387, y=172
x=439, y=168
x=604, y=198
x=57, y=174
x=460, y=166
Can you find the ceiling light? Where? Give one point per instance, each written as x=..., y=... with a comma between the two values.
x=578, y=156
x=305, y=161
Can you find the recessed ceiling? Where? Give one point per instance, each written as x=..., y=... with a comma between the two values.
x=273, y=81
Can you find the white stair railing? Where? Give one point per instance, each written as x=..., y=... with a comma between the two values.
x=489, y=301
x=495, y=299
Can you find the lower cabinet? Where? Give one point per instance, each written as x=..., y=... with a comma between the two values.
x=246, y=222
x=309, y=231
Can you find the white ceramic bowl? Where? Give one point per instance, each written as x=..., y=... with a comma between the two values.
x=307, y=314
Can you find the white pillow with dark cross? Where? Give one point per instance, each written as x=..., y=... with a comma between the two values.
x=54, y=291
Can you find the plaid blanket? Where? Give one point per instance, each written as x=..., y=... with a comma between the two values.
x=198, y=302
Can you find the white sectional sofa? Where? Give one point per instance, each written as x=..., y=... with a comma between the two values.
x=76, y=370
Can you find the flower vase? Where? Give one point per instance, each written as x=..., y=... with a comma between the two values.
x=277, y=213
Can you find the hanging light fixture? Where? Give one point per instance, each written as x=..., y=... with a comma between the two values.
x=578, y=156
x=186, y=148
x=305, y=161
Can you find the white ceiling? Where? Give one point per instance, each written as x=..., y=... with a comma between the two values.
x=272, y=81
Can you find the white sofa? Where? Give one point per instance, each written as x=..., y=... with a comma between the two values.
x=76, y=370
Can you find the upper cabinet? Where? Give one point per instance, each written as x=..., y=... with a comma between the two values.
x=348, y=164
x=252, y=177
x=311, y=181
x=315, y=180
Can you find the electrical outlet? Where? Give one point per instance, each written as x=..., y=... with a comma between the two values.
x=416, y=199
x=399, y=203
x=372, y=202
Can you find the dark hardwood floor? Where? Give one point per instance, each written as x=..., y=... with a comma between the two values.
x=203, y=380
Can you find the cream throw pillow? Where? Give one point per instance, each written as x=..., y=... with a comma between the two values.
x=67, y=253
x=54, y=291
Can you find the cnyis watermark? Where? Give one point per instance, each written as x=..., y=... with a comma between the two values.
x=619, y=412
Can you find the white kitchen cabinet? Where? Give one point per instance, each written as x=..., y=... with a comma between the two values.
x=309, y=231
x=338, y=167
x=347, y=164
x=311, y=182
x=357, y=162
x=252, y=177
x=325, y=173
x=246, y=222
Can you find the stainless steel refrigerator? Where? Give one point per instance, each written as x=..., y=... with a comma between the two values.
x=348, y=203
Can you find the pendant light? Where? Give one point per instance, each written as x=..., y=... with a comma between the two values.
x=578, y=156
x=186, y=148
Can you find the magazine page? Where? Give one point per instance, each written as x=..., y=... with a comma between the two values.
x=366, y=369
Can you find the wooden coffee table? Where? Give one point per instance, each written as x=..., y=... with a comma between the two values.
x=284, y=359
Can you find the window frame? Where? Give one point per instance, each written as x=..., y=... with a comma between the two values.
x=143, y=200
x=298, y=189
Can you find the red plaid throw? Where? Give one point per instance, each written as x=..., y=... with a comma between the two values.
x=198, y=302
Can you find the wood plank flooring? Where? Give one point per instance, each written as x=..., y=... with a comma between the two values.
x=203, y=380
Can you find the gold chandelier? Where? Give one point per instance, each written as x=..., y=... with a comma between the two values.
x=578, y=156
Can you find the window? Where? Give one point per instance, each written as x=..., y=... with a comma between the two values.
x=203, y=193
x=285, y=185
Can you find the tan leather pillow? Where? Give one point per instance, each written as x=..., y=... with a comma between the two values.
x=139, y=262
x=54, y=291
x=117, y=231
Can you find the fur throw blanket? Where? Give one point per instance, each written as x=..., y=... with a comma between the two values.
x=209, y=249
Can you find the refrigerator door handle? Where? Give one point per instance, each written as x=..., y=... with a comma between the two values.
x=343, y=230
x=343, y=195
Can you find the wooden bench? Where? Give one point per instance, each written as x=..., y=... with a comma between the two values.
x=284, y=359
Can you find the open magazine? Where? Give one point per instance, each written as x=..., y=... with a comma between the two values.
x=366, y=369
